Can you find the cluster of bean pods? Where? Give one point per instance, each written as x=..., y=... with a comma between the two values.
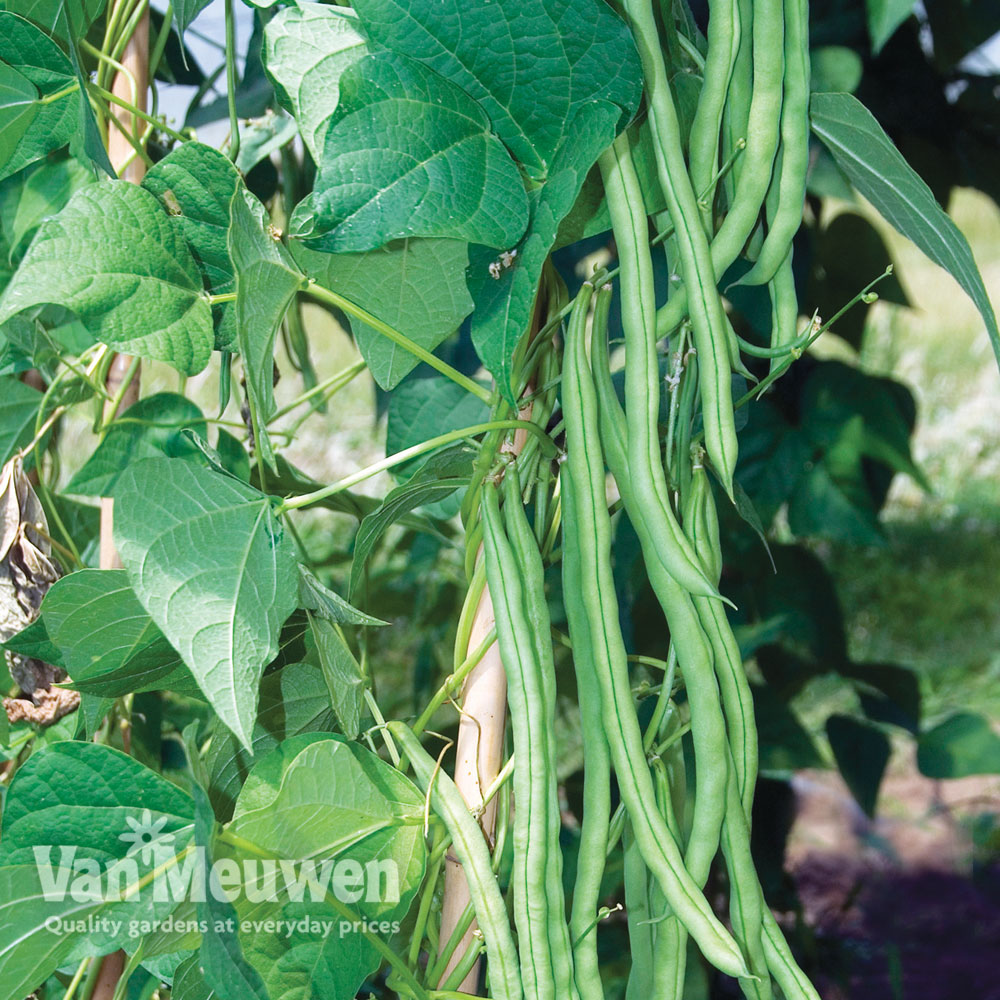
x=734, y=189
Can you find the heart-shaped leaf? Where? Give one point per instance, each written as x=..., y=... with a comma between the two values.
x=113, y=257
x=216, y=571
x=409, y=154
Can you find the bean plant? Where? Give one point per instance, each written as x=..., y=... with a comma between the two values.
x=229, y=753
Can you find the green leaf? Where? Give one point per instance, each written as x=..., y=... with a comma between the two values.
x=34, y=641
x=189, y=983
x=40, y=61
x=862, y=752
x=64, y=20
x=19, y=405
x=884, y=17
x=505, y=297
x=963, y=745
x=877, y=169
x=508, y=54
x=437, y=479
x=349, y=807
x=107, y=642
x=92, y=788
x=214, y=568
x=41, y=191
x=196, y=184
x=80, y=804
x=324, y=603
x=345, y=682
x=17, y=107
x=415, y=286
x=409, y=154
x=185, y=11
x=306, y=49
x=113, y=257
x=266, y=282
x=264, y=136
x=151, y=428
x=293, y=700
x=319, y=795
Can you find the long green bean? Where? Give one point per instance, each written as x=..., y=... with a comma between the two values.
x=587, y=527
x=525, y=648
x=471, y=850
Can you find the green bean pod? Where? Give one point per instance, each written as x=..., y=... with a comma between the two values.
x=670, y=940
x=702, y=524
x=737, y=110
x=784, y=308
x=793, y=981
x=786, y=218
x=754, y=176
x=703, y=143
x=628, y=220
x=642, y=374
x=470, y=848
x=746, y=900
x=587, y=529
x=592, y=853
x=543, y=938
x=694, y=652
x=638, y=911
x=540, y=694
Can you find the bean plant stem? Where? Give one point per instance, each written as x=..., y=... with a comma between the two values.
x=331, y=298
x=307, y=499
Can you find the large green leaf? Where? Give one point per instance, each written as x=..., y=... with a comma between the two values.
x=877, y=169
x=113, y=257
x=293, y=700
x=61, y=19
x=409, y=154
x=962, y=745
x=19, y=405
x=76, y=809
x=196, y=184
x=326, y=802
x=37, y=59
x=266, y=282
x=107, y=642
x=529, y=63
x=151, y=427
x=213, y=566
x=306, y=49
x=320, y=795
x=415, y=286
x=90, y=788
x=505, y=296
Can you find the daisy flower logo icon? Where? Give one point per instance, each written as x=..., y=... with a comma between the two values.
x=145, y=836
